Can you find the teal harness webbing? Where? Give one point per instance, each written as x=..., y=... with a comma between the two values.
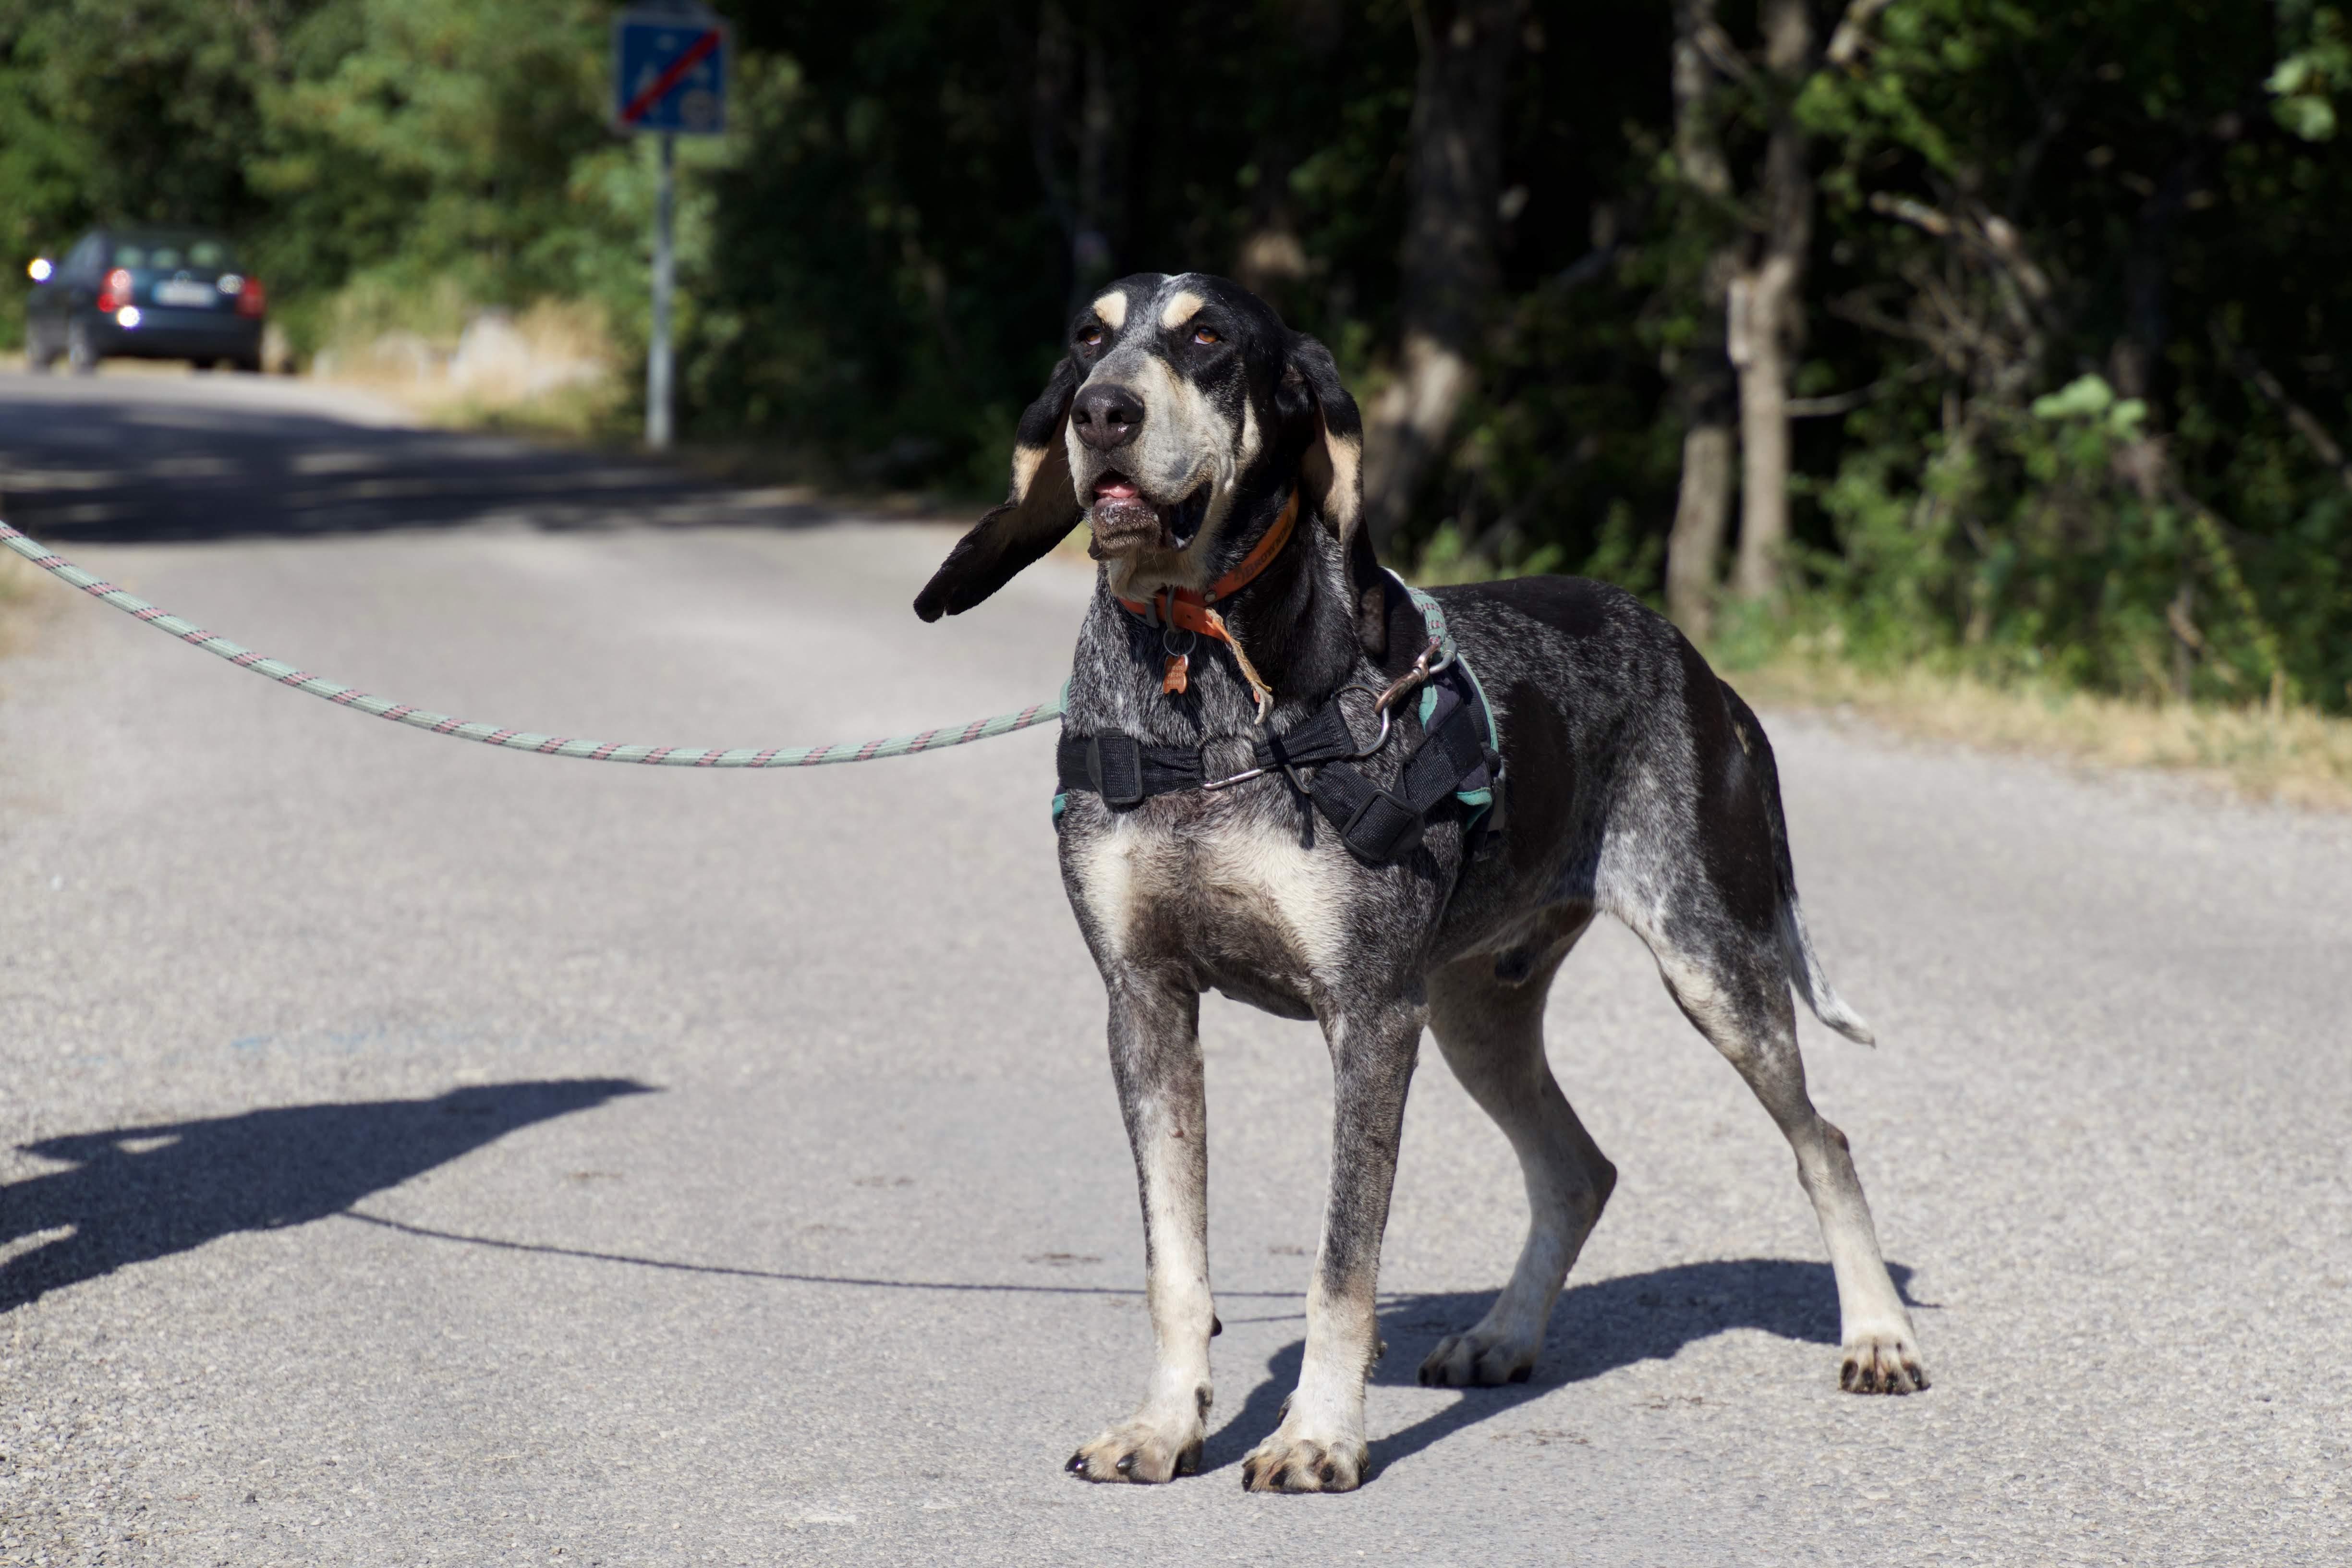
x=1432, y=614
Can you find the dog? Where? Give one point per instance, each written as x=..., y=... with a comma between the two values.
x=1248, y=802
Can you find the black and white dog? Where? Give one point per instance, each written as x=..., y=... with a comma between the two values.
x=1193, y=430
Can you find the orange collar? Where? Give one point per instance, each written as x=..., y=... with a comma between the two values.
x=1189, y=611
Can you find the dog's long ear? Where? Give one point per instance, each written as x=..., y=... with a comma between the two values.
x=1042, y=508
x=1332, y=476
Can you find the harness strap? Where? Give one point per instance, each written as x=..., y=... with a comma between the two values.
x=1383, y=824
x=1483, y=797
x=1460, y=752
x=1125, y=772
x=1378, y=825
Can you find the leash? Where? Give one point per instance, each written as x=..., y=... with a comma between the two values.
x=521, y=739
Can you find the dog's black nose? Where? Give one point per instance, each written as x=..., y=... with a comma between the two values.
x=1107, y=417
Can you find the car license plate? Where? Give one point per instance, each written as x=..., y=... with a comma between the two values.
x=185, y=292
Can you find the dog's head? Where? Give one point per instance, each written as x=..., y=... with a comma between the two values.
x=1180, y=419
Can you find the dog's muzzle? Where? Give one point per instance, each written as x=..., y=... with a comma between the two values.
x=1123, y=520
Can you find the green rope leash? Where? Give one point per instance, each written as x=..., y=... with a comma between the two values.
x=524, y=740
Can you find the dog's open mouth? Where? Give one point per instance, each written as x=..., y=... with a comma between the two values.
x=1123, y=520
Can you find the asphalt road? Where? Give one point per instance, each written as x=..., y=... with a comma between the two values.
x=417, y=1154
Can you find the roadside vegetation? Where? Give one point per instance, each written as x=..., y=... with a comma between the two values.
x=2295, y=755
x=1977, y=362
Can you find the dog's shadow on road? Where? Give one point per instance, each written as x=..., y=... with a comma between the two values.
x=1597, y=1328
x=136, y=1193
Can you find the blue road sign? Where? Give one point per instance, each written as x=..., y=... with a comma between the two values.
x=669, y=72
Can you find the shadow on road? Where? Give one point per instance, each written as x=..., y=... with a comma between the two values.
x=1597, y=1328
x=784, y=1277
x=145, y=460
x=136, y=1193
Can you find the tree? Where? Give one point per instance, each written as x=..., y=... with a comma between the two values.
x=1765, y=320
x=1448, y=257
x=1705, y=396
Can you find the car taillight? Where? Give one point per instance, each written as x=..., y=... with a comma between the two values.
x=252, y=300
x=116, y=291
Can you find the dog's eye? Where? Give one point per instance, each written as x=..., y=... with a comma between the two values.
x=1091, y=338
x=1203, y=336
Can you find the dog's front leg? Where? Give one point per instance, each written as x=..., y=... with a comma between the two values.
x=1320, y=1445
x=1155, y=1053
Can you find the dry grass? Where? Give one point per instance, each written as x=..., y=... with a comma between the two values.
x=552, y=369
x=2296, y=756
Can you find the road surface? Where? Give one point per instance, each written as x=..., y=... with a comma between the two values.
x=417, y=1154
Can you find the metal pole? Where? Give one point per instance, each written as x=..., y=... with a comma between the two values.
x=657, y=365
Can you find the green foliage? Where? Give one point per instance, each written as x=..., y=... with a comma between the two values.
x=383, y=161
x=444, y=142
x=2318, y=67
x=140, y=109
x=2025, y=207
x=929, y=188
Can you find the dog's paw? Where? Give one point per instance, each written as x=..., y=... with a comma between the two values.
x=1882, y=1363
x=1481, y=1358
x=1139, y=1450
x=1289, y=1462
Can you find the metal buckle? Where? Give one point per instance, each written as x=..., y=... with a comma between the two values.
x=1380, y=708
x=1418, y=675
x=1237, y=778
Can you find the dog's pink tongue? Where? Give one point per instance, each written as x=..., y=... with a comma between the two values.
x=1120, y=513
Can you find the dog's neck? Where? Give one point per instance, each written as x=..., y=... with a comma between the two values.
x=1293, y=619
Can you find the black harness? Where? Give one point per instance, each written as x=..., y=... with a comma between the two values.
x=1456, y=757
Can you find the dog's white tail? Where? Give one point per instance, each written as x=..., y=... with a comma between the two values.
x=1806, y=976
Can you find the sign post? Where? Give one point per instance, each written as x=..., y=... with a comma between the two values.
x=670, y=78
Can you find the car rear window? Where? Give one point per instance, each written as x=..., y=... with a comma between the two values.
x=164, y=253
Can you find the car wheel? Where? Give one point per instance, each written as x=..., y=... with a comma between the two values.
x=82, y=354
x=250, y=365
x=203, y=366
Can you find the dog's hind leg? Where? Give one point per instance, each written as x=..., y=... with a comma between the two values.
x=1320, y=1445
x=1155, y=1052
x=1487, y=1015
x=1733, y=983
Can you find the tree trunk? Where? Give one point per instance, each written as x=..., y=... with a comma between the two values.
x=1066, y=64
x=1449, y=246
x=1703, y=384
x=1765, y=311
x=1272, y=260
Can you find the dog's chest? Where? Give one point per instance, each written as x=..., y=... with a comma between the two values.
x=1232, y=891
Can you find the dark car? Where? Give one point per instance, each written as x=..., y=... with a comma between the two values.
x=144, y=294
